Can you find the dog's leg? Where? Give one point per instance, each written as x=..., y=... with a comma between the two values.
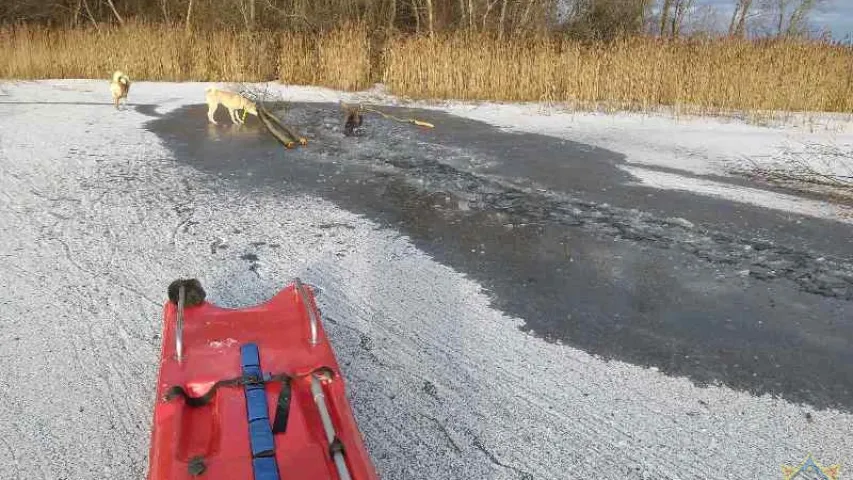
x=234, y=118
x=211, y=109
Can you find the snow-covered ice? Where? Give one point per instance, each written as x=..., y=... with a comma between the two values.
x=699, y=145
x=806, y=146
x=96, y=219
x=756, y=196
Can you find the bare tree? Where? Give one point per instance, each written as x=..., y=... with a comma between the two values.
x=247, y=11
x=605, y=19
x=416, y=12
x=392, y=14
x=673, y=15
x=643, y=11
x=786, y=18
x=798, y=21
x=91, y=17
x=430, y=17
x=115, y=12
x=504, y=17
x=664, y=15
x=737, y=26
x=165, y=9
x=679, y=15
x=502, y=21
x=187, y=24
x=706, y=21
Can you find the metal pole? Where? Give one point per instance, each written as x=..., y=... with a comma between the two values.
x=179, y=328
x=320, y=400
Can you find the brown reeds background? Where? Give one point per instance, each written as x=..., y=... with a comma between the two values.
x=633, y=73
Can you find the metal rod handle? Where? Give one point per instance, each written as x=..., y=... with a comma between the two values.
x=179, y=328
x=312, y=316
x=320, y=400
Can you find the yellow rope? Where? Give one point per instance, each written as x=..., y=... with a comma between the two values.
x=419, y=123
x=413, y=121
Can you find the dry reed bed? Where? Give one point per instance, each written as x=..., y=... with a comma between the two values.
x=721, y=74
x=160, y=53
x=637, y=73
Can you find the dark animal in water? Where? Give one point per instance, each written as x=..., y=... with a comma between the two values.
x=353, y=120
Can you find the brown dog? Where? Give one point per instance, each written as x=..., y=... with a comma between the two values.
x=353, y=119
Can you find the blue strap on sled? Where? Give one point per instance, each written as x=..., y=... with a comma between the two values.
x=260, y=431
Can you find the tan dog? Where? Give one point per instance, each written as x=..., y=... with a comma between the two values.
x=119, y=87
x=232, y=101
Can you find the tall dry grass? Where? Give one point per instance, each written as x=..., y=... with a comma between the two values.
x=337, y=59
x=162, y=53
x=636, y=73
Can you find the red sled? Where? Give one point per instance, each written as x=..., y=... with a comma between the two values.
x=251, y=393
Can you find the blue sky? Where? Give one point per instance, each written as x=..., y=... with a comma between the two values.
x=838, y=15
x=834, y=14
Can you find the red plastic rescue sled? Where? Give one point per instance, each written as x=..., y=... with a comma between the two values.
x=251, y=393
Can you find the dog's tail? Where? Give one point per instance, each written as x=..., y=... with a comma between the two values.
x=120, y=77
